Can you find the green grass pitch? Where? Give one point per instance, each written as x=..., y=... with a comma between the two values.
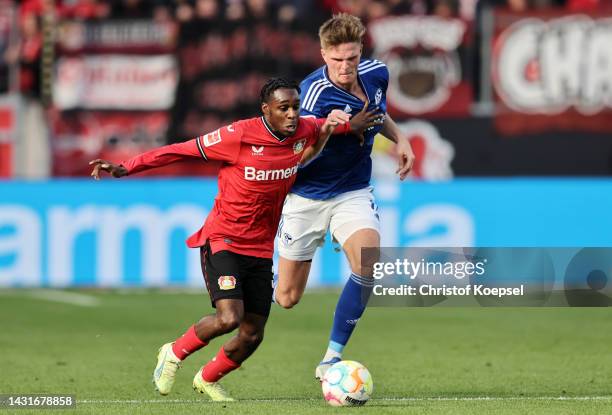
x=423, y=361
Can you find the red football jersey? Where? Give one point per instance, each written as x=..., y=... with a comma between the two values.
x=258, y=171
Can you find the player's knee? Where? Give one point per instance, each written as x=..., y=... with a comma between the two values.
x=367, y=272
x=228, y=321
x=287, y=299
x=364, y=266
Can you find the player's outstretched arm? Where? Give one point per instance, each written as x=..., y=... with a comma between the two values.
x=99, y=165
x=149, y=160
x=403, y=148
x=334, y=119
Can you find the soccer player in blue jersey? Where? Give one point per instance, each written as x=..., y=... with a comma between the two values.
x=333, y=192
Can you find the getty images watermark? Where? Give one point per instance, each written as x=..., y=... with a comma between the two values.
x=489, y=276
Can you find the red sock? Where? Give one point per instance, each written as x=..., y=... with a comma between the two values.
x=220, y=366
x=187, y=344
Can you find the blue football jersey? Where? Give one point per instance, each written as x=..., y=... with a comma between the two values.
x=343, y=165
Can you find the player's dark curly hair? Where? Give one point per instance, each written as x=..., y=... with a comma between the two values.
x=276, y=83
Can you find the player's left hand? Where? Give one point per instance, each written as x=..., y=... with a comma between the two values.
x=406, y=158
x=115, y=170
x=363, y=120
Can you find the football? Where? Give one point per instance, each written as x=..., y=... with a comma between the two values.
x=347, y=383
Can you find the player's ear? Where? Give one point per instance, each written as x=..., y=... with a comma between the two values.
x=265, y=108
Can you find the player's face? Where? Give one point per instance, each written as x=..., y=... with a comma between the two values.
x=342, y=61
x=282, y=111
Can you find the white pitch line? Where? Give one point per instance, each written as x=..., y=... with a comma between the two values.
x=440, y=398
x=504, y=398
x=65, y=297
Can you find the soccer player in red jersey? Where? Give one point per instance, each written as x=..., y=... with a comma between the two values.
x=260, y=159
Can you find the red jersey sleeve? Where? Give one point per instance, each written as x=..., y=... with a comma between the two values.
x=340, y=129
x=315, y=128
x=222, y=144
x=161, y=156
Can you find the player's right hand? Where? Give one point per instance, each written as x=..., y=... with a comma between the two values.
x=115, y=170
x=335, y=118
x=365, y=119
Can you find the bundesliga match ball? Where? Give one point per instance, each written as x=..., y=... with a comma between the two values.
x=347, y=383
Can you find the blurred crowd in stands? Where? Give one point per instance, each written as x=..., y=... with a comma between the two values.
x=27, y=51
x=33, y=45
x=185, y=10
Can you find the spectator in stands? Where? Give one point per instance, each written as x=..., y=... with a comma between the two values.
x=446, y=8
x=163, y=12
x=377, y=9
x=235, y=10
x=207, y=9
x=518, y=5
x=259, y=9
x=184, y=11
x=26, y=54
x=32, y=149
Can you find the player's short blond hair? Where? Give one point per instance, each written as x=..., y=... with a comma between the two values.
x=341, y=28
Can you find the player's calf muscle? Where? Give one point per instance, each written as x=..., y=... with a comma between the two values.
x=292, y=278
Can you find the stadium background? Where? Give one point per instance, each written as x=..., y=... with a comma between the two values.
x=507, y=106
x=507, y=103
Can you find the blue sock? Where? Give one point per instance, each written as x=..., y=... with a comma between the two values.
x=350, y=307
x=274, y=284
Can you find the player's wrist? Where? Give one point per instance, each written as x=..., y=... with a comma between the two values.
x=344, y=128
x=121, y=171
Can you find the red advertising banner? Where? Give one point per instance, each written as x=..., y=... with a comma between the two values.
x=123, y=82
x=114, y=82
x=81, y=136
x=8, y=130
x=428, y=59
x=552, y=71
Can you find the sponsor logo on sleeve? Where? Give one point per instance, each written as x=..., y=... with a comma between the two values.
x=211, y=139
